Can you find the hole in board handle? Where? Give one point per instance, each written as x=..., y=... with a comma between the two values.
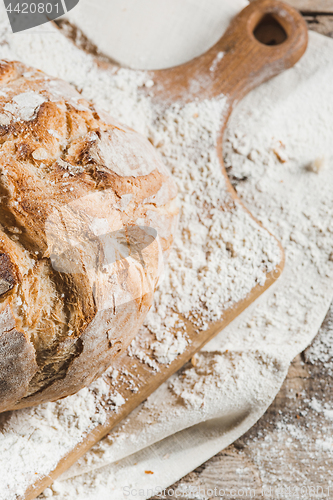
x=269, y=31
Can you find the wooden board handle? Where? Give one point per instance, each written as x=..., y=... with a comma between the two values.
x=238, y=62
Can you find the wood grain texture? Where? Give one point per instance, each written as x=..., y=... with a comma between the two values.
x=249, y=462
x=316, y=6
x=245, y=64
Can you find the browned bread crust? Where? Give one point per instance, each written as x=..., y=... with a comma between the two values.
x=78, y=194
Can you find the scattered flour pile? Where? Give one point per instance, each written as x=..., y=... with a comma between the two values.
x=321, y=350
x=275, y=141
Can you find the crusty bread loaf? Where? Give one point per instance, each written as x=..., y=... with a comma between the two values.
x=81, y=197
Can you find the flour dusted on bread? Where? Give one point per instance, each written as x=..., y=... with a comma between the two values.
x=80, y=257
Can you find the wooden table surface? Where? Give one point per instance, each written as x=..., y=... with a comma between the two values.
x=289, y=452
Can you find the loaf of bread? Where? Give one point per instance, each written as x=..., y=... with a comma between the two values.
x=88, y=214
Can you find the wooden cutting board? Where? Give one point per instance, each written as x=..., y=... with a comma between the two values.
x=246, y=63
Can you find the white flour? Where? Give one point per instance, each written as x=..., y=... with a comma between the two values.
x=24, y=106
x=296, y=453
x=216, y=259
x=274, y=138
x=218, y=255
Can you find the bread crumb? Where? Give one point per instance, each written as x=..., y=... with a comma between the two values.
x=317, y=165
